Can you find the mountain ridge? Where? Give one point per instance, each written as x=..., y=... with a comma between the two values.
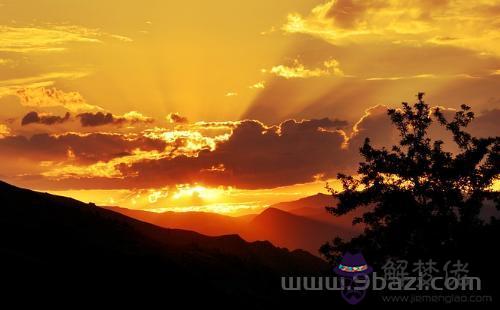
x=44, y=236
x=268, y=225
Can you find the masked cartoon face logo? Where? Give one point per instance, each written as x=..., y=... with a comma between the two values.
x=350, y=294
x=351, y=266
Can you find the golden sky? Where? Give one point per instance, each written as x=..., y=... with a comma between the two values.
x=225, y=105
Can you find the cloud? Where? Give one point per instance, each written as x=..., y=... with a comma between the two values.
x=95, y=119
x=176, y=118
x=42, y=97
x=258, y=85
x=4, y=131
x=45, y=119
x=397, y=78
x=448, y=74
x=37, y=82
x=298, y=70
x=73, y=157
x=423, y=76
x=52, y=38
x=101, y=169
x=486, y=124
x=187, y=142
x=203, y=125
x=76, y=148
x=134, y=117
x=89, y=119
x=345, y=22
x=376, y=125
x=253, y=156
x=231, y=94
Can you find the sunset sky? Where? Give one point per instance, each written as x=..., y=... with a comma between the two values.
x=226, y=106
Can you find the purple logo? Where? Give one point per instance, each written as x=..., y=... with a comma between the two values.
x=351, y=266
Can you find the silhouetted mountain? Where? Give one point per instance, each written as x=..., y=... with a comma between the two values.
x=293, y=231
x=206, y=223
x=57, y=245
x=281, y=228
x=318, y=201
x=313, y=207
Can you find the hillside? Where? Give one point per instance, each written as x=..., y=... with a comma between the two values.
x=206, y=223
x=313, y=207
x=293, y=231
x=79, y=246
x=283, y=229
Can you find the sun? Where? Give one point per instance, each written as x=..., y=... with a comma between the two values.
x=197, y=191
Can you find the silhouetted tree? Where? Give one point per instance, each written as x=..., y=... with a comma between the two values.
x=421, y=201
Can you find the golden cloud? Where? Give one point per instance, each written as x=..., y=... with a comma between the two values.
x=424, y=76
x=397, y=78
x=176, y=143
x=465, y=24
x=258, y=85
x=185, y=142
x=298, y=70
x=52, y=38
x=136, y=117
x=12, y=86
x=203, y=125
x=4, y=131
x=42, y=97
x=101, y=169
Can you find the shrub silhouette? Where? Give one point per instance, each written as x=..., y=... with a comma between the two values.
x=421, y=201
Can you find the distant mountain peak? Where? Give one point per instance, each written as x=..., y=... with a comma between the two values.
x=316, y=201
x=272, y=210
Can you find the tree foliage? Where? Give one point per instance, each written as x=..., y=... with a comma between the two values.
x=420, y=200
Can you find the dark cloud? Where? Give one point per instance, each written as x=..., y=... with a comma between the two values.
x=486, y=124
x=89, y=119
x=97, y=119
x=255, y=156
x=85, y=149
x=176, y=118
x=45, y=119
x=376, y=125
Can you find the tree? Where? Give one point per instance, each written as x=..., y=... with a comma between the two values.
x=421, y=201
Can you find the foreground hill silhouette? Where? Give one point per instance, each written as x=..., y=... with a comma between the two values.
x=57, y=244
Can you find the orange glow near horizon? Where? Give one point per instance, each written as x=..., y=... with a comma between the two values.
x=198, y=198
